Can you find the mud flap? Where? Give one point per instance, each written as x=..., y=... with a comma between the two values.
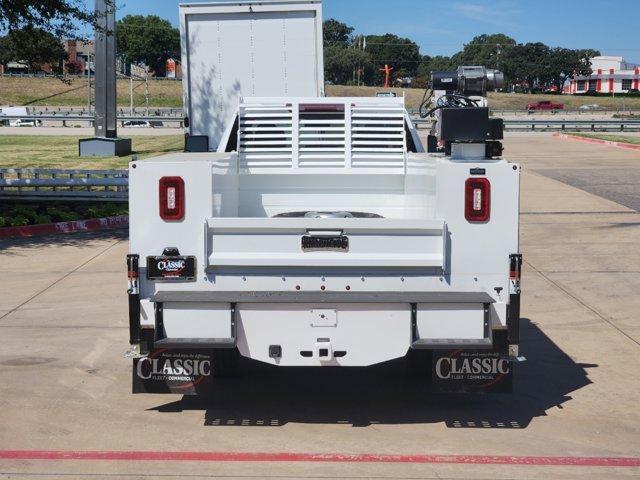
x=185, y=372
x=474, y=371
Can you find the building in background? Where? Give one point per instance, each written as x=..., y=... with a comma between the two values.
x=80, y=55
x=79, y=58
x=610, y=75
x=15, y=68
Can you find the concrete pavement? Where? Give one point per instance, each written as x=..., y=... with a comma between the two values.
x=65, y=385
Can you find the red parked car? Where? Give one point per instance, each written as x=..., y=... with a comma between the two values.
x=545, y=105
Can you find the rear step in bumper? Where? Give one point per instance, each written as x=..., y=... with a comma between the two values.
x=451, y=344
x=192, y=343
x=485, y=343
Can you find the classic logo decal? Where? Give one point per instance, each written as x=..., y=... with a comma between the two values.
x=471, y=371
x=170, y=267
x=476, y=368
x=164, y=371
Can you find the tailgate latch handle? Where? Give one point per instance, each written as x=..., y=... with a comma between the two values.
x=325, y=233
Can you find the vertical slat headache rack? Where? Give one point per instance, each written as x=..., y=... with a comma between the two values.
x=322, y=133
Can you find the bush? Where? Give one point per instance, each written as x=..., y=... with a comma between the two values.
x=41, y=219
x=20, y=214
x=19, y=221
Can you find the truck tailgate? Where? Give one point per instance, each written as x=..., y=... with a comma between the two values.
x=324, y=242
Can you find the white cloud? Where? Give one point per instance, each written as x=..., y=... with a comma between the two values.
x=496, y=12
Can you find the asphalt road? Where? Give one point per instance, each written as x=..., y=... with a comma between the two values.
x=65, y=384
x=617, y=184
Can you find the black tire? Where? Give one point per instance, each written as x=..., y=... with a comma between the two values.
x=226, y=363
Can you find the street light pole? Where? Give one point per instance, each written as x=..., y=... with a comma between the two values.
x=105, y=42
x=106, y=142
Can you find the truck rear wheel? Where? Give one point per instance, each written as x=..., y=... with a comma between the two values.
x=225, y=363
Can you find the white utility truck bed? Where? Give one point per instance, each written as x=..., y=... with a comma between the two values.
x=320, y=233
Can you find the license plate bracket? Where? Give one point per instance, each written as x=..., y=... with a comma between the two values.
x=171, y=268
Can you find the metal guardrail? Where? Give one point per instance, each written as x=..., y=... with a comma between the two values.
x=57, y=184
x=559, y=125
x=77, y=75
x=498, y=112
x=90, y=118
x=120, y=111
x=574, y=125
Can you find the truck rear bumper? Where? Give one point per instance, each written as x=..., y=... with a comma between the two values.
x=327, y=333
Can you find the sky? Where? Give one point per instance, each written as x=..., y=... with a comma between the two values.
x=441, y=27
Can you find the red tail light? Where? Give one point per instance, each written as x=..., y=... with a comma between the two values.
x=477, y=200
x=171, y=193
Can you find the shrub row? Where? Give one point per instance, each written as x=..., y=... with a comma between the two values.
x=21, y=214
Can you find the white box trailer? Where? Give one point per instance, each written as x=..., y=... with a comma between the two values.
x=235, y=49
x=320, y=233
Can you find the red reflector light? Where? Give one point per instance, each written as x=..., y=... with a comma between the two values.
x=515, y=266
x=171, y=193
x=477, y=200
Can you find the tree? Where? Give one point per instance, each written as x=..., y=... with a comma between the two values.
x=402, y=54
x=335, y=33
x=34, y=47
x=486, y=50
x=434, y=64
x=565, y=63
x=528, y=64
x=58, y=17
x=147, y=39
x=341, y=64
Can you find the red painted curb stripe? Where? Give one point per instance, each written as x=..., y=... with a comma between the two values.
x=317, y=457
x=66, y=227
x=598, y=141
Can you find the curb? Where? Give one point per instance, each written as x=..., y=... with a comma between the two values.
x=597, y=141
x=280, y=457
x=91, y=225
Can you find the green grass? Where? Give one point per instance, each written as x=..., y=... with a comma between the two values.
x=73, y=92
x=611, y=138
x=17, y=151
x=168, y=93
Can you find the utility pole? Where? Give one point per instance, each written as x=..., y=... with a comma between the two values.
x=88, y=69
x=106, y=142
